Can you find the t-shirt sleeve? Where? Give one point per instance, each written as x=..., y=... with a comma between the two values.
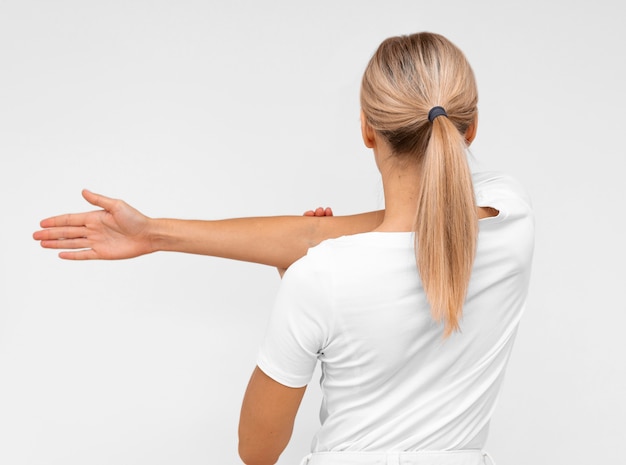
x=299, y=325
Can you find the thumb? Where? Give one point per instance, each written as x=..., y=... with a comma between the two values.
x=98, y=200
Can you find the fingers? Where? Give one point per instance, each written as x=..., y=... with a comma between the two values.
x=55, y=221
x=69, y=232
x=319, y=211
x=59, y=233
x=68, y=239
x=79, y=255
x=63, y=238
x=69, y=219
x=79, y=219
x=98, y=200
x=81, y=243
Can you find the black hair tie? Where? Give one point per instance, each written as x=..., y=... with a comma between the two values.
x=436, y=111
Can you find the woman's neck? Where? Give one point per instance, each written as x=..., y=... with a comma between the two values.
x=401, y=184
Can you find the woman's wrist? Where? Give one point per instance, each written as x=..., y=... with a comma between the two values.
x=162, y=236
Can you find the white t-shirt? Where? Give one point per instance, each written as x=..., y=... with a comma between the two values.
x=390, y=382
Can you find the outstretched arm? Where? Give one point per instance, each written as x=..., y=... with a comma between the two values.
x=118, y=231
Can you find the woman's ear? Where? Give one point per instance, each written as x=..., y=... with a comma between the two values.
x=470, y=134
x=367, y=132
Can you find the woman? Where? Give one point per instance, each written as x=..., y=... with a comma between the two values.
x=412, y=311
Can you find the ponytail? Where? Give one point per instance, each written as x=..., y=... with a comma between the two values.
x=403, y=81
x=446, y=226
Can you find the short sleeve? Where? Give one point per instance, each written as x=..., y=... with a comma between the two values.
x=299, y=325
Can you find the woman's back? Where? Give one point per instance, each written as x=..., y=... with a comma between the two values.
x=390, y=380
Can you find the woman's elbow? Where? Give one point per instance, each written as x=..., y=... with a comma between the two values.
x=255, y=456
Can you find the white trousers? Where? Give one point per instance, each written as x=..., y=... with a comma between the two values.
x=454, y=457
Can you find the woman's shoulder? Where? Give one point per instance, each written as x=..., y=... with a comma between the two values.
x=496, y=182
x=350, y=251
x=502, y=192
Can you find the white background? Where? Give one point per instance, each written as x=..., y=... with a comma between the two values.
x=206, y=109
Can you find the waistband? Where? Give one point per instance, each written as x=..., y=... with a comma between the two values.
x=453, y=457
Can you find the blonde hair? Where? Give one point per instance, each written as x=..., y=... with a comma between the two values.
x=406, y=77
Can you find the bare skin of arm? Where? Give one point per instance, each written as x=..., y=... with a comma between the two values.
x=267, y=417
x=118, y=231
